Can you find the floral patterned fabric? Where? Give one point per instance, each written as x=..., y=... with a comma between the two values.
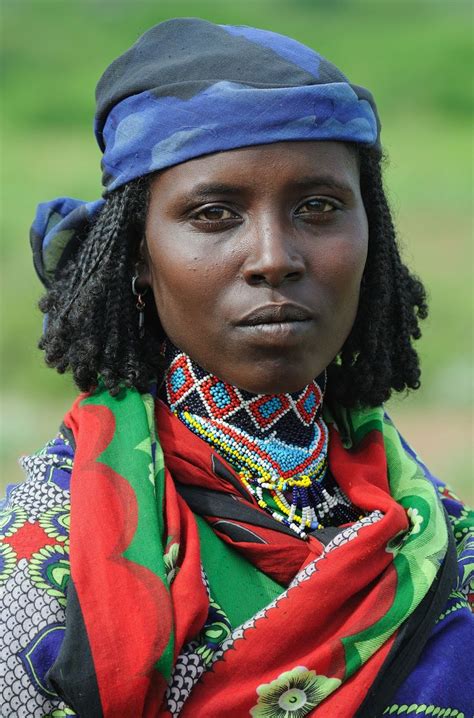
x=34, y=570
x=293, y=693
x=372, y=621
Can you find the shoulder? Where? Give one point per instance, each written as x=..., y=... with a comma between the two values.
x=34, y=571
x=35, y=513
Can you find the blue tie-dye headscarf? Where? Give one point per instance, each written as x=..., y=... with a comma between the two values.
x=188, y=88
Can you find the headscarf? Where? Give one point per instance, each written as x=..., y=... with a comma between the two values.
x=188, y=88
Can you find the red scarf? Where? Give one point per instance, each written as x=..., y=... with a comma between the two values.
x=135, y=563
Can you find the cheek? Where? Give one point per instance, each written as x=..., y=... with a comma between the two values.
x=342, y=265
x=181, y=282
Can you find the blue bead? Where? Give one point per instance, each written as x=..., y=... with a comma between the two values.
x=177, y=379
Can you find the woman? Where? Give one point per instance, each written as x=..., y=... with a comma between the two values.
x=227, y=523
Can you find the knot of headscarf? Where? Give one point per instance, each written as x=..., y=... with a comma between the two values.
x=188, y=88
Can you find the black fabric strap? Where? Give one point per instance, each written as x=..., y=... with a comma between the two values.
x=206, y=502
x=72, y=675
x=67, y=433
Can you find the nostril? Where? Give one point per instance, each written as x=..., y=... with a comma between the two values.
x=272, y=264
x=272, y=280
x=256, y=279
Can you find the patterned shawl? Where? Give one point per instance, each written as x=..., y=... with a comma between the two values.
x=184, y=598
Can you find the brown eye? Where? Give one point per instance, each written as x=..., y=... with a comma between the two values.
x=316, y=206
x=214, y=214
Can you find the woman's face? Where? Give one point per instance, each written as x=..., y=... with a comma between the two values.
x=255, y=257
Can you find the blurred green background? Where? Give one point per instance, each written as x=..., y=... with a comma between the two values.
x=417, y=59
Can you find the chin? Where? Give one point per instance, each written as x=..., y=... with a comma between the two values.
x=279, y=379
x=276, y=387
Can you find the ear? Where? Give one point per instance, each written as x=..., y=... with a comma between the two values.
x=143, y=266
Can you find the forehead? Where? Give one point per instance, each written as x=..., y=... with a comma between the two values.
x=274, y=165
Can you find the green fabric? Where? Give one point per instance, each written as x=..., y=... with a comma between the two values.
x=130, y=454
x=418, y=556
x=239, y=588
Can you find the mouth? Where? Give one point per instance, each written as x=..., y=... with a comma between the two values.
x=276, y=314
x=278, y=325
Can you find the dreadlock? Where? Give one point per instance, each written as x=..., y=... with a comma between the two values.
x=378, y=356
x=91, y=327
x=92, y=322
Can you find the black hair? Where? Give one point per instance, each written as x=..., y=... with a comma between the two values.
x=92, y=326
x=379, y=356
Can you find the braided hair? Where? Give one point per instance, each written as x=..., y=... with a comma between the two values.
x=378, y=356
x=92, y=326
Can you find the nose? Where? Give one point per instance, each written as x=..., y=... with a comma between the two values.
x=274, y=258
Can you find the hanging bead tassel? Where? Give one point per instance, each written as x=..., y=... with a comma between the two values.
x=140, y=305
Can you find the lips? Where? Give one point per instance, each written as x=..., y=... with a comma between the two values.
x=275, y=314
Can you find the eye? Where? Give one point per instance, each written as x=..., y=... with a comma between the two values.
x=214, y=213
x=317, y=205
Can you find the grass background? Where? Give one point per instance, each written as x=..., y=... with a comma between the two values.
x=417, y=59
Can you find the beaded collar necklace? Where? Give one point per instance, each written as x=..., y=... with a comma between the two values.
x=276, y=443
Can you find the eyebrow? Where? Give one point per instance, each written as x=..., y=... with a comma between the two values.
x=324, y=181
x=205, y=190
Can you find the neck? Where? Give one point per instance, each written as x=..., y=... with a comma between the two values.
x=277, y=443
